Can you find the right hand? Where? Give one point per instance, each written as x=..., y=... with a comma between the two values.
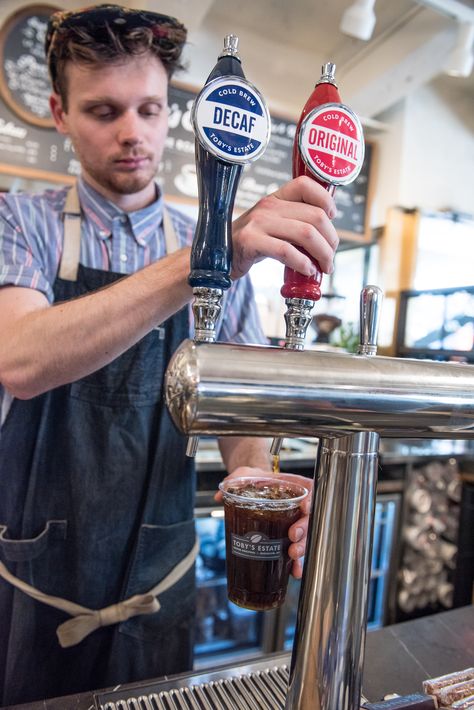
x=296, y=215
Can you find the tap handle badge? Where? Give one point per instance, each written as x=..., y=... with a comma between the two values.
x=329, y=141
x=331, y=144
x=329, y=148
x=231, y=120
x=232, y=127
x=230, y=117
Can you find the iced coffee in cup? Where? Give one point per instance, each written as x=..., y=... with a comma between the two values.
x=258, y=514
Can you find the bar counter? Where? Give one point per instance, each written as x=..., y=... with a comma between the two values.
x=398, y=658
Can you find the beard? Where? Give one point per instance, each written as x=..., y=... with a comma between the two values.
x=116, y=179
x=123, y=182
x=128, y=184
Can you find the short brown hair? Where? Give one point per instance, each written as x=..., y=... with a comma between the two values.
x=110, y=34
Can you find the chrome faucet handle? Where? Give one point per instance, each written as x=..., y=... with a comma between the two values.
x=231, y=47
x=192, y=446
x=371, y=298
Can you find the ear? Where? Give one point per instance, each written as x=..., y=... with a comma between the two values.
x=58, y=113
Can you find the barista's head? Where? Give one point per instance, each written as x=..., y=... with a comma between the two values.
x=109, y=34
x=110, y=68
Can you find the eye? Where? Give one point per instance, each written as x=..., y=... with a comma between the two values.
x=151, y=109
x=102, y=112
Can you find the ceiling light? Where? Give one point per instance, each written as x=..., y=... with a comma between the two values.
x=359, y=19
x=461, y=59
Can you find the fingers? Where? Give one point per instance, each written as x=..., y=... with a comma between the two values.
x=297, y=534
x=279, y=238
x=297, y=569
x=298, y=215
x=305, y=189
x=313, y=216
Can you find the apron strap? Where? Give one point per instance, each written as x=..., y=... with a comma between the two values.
x=72, y=236
x=86, y=620
x=171, y=240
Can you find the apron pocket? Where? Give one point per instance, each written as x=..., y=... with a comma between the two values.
x=159, y=549
x=23, y=550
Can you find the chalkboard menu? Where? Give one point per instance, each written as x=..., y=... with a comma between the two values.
x=353, y=201
x=24, y=80
x=38, y=153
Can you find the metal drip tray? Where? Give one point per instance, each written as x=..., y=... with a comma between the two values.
x=252, y=687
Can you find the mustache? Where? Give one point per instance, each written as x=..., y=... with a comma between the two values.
x=131, y=156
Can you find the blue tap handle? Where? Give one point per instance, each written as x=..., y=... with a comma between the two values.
x=211, y=253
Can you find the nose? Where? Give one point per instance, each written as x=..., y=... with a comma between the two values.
x=129, y=130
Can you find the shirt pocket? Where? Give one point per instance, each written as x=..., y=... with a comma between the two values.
x=159, y=549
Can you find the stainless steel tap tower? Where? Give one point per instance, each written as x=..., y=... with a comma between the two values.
x=339, y=572
x=348, y=401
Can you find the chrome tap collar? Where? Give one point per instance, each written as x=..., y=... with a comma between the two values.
x=298, y=316
x=206, y=309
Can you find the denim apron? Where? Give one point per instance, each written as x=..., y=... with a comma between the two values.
x=96, y=505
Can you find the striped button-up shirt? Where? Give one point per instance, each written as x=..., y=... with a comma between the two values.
x=31, y=242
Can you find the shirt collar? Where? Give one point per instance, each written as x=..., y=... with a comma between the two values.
x=102, y=212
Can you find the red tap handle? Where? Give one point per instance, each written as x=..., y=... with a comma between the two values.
x=295, y=284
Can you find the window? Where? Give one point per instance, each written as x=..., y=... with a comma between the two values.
x=445, y=256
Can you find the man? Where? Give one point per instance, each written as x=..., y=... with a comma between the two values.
x=96, y=505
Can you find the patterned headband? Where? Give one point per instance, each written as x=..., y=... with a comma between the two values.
x=100, y=20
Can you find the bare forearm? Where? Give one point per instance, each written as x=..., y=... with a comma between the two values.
x=54, y=345
x=240, y=451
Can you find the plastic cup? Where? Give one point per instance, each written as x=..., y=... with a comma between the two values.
x=258, y=513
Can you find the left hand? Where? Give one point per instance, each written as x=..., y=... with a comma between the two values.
x=297, y=216
x=298, y=531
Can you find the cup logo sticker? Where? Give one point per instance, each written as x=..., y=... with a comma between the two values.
x=231, y=120
x=256, y=546
x=331, y=143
